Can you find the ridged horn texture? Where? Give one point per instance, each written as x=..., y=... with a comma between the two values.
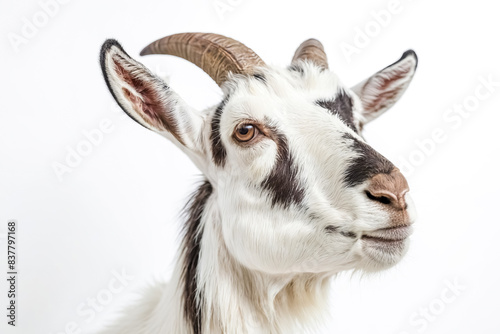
x=217, y=55
x=312, y=50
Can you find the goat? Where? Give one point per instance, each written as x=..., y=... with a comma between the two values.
x=292, y=194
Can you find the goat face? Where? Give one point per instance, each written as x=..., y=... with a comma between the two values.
x=295, y=187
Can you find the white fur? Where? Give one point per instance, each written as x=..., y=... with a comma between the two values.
x=266, y=269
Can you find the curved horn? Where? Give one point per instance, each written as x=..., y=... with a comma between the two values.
x=312, y=50
x=217, y=55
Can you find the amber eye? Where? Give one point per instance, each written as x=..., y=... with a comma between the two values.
x=245, y=132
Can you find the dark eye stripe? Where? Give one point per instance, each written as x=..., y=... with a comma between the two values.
x=283, y=184
x=218, y=149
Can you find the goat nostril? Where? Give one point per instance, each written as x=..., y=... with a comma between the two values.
x=388, y=189
x=384, y=200
x=381, y=199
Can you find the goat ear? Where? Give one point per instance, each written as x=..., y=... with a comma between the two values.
x=148, y=99
x=382, y=90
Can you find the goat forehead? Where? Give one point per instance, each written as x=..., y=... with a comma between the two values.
x=287, y=95
x=277, y=82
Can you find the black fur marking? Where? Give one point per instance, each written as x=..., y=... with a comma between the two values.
x=296, y=68
x=368, y=164
x=283, y=183
x=331, y=229
x=407, y=53
x=218, y=150
x=260, y=77
x=341, y=106
x=351, y=235
x=191, y=246
x=335, y=229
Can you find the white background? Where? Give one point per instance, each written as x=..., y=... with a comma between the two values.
x=118, y=208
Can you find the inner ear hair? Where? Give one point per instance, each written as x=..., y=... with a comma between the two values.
x=141, y=94
x=382, y=90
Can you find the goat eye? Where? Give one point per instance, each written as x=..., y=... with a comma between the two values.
x=245, y=132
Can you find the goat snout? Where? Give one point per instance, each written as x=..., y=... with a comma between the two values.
x=389, y=189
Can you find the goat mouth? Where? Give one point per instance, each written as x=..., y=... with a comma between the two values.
x=381, y=240
x=385, y=246
x=388, y=235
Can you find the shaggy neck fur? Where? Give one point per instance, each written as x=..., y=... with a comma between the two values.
x=222, y=296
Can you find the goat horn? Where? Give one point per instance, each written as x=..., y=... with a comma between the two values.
x=312, y=50
x=215, y=54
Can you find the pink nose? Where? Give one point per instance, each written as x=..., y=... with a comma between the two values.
x=389, y=189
